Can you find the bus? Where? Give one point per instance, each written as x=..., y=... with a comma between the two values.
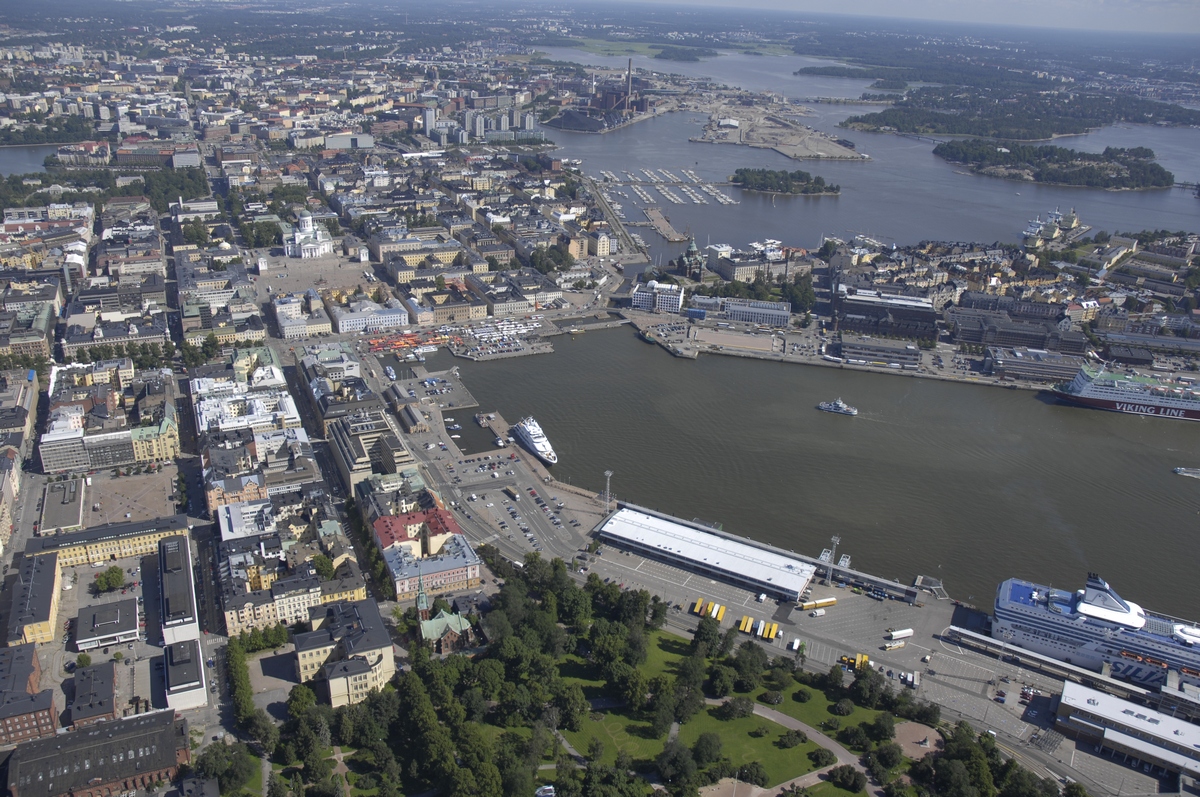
x=773, y=631
x=820, y=603
x=707, y=609
x=747, y=621
x=699, y=605
x=713, y=609
x=721, y=615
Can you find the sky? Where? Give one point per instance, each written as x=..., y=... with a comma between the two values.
x=1154, y=16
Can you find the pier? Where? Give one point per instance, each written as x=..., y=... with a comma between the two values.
x=662, y=226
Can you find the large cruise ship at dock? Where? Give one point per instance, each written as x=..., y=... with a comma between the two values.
x=530, y=433
x=1094, y=626
x=1137, y=395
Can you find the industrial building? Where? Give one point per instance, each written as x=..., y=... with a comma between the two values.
x=178, y=608
x=878, y=351
x=1130, y=730
x=103, y=759
x=692, y=547
x=1034, y=365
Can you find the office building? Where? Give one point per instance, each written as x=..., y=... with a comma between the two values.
x=183, y=675
x=178, y=594
x=657, y=297
x=105, y=624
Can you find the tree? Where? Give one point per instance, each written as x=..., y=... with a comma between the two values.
x=83, y=660
x=754, y=773
x=707, y=749
x=1075, y=789
x=263, y=730
x=211, y=348
x=111, y=579
x=822, y=757
x=736, y=708
x=276, y=787
x=792, y=738
x=231, y=765
x=707, y=636
x=844, y=707
x=300, y=700
x=675, y=764
x=720, y=680
x=848, y=778
x=323, y=566
x=883, y=728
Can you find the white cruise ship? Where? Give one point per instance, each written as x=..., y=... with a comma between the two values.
x=1094, y=626
x=530, y=433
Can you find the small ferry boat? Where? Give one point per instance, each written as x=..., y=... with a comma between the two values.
x=837, y=406
x=1193, y=472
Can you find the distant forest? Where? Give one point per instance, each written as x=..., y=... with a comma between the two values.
x=1113, y=168
x=668, y=53
x=783, y=182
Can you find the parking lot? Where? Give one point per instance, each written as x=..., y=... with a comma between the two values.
x=127, y=499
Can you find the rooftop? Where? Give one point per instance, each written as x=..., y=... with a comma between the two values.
x=98, y=754
x=175, y=573
x=110, y=531
x=106, y=620
x=33, y=593
x=739, y=560
x=184, y=670
x=95, y=692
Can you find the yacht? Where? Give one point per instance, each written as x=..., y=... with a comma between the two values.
x=530, y=433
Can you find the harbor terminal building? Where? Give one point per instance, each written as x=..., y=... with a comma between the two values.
x=691, y=547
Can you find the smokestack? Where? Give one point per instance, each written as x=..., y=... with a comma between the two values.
x=629, y=87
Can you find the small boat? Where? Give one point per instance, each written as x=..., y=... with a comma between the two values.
x=454, y=427
x=837, y=406
x=501, y=442
x=455, y=437
x=1193, y=472
x=391, y=373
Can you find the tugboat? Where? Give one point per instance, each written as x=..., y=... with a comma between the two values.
x=838, y=406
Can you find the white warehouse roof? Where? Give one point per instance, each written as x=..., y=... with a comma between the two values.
x=692, y=548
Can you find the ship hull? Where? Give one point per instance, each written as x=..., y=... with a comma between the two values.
x=1129, y=407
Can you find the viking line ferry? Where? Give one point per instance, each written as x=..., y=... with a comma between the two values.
x=1137, y=395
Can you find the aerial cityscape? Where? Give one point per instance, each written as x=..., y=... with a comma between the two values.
x=558, y=400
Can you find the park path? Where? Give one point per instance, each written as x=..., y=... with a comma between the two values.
x=726, y=788
x=340, y=768
x=265, y=763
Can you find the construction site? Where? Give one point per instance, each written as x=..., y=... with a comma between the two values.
x=767, y=127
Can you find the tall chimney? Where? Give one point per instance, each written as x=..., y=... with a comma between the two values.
x=629, y=87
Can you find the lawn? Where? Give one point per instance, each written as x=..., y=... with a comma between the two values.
x=741, y=748
x=663, y=654
x=827, y=789
x=255, y=784
x=817, y=709
x=617, y=730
